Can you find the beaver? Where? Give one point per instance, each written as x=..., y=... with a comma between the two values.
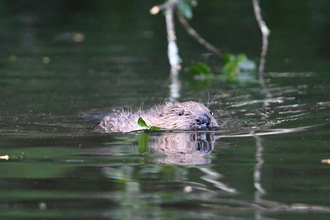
x=169, y=116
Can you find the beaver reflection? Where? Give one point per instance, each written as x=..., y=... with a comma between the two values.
x=182, y=148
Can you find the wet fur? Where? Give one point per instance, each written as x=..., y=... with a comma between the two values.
x=170, y=116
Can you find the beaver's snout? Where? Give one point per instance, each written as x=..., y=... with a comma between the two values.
x=203, y=121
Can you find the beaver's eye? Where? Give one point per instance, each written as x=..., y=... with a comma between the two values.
x=180, y=113
x=211, y=113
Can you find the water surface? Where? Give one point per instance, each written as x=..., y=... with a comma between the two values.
x=61, y=63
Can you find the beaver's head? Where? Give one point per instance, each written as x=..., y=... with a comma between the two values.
x=186, y=116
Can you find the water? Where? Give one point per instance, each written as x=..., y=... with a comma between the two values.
x=59, y=63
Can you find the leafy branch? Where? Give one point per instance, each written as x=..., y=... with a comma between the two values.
x=143, y=125
x=144, y=137
x=183, y=10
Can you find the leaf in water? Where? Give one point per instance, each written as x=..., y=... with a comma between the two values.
x=142, y=123
x=199, y=68
x=184, y=7
x=143, y=142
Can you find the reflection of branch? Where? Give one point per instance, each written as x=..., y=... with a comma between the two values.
x=197, y=37
x=265, y=32
x=212, y=176
x=258, y=166
x=266, y=206
x=172, y=52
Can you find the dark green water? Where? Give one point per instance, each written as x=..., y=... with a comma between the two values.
x=59, y=168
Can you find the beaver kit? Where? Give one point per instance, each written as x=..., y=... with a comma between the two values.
x=170, y=116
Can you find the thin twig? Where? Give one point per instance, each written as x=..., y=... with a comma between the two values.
x=195, y=35
x=154, y=10
x=265, y=33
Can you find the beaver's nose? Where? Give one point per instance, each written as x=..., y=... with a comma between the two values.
x=203, y=120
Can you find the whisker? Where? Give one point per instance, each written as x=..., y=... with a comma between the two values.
x=214, y=97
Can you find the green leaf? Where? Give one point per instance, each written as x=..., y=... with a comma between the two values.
x=185, y=9
x=200, y=68
x=230, y=70
x=227, y=58
x=142, y=123
x=154, y=128
x=240, y=58
x=143, y=142
x=232, y=65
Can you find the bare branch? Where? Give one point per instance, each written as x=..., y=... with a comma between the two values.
x=172, y=51
x=263, y=27
x=265, y=33
x=195, y=35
